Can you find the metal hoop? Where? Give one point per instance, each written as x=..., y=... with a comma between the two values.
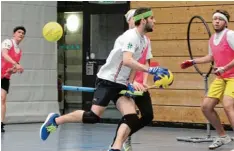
x=189, y=46
x=205, y=76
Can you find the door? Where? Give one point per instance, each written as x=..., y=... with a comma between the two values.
x=104, y=23
x=85, y=47
x=70, y=54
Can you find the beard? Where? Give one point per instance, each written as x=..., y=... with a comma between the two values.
x=148, y=28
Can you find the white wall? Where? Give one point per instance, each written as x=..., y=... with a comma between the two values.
x=34, y=93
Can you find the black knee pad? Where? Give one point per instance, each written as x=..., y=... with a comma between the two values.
x=90, y=117
x=132, y=121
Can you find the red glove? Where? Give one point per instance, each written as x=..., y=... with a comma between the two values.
x=154, y=64
x=187, y=63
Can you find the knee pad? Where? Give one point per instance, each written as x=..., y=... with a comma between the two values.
x=90, y=117
x=133, y=121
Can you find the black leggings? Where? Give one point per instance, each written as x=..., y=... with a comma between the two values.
x=144, y=105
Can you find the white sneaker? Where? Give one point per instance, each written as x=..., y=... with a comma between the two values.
x=127, y=146
x=232, y=150
x=220, y=141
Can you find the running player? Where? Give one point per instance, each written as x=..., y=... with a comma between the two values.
x=113, y=77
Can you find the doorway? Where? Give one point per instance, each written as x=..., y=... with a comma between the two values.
x=104, y=23
x=85, y=47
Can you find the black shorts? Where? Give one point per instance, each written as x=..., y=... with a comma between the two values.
x=107, y=91
x=5, y=84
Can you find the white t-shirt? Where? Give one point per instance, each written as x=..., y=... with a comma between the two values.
x=119, y=41
x=7, y=44
x=130, y=41
x=219, y=36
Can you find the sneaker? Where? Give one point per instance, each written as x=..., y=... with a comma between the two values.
x=49, y=126
x=2, y=127
x=220, y=141
x=127, y=146
x=232, y=150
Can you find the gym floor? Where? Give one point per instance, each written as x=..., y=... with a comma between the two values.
x=97, y=137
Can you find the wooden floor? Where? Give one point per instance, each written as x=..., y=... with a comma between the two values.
x=84, y=137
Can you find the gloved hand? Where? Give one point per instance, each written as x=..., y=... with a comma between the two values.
x=187, y=63
x=130, y=89
x=218, y=71
x=158, y=71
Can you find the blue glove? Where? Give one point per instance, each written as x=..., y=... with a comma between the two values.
x=158, y=71
x=131, y=89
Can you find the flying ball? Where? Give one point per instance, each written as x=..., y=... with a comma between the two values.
x=52, y=31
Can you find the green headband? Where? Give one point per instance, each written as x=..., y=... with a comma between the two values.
x=143, y=15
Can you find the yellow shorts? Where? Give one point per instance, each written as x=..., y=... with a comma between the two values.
x=221, y=87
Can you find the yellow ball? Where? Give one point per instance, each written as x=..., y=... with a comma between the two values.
x=163, y=81
x=52, y=31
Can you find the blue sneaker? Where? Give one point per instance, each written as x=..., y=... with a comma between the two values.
x=49, y=126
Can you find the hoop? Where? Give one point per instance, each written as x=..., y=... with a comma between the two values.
x=208, y=138
x=189, y=46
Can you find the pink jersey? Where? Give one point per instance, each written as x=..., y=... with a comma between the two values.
x=139, y=74
x=7, y=65
x=222, y=54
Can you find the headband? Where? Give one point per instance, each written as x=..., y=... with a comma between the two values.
x=129, y=14
x=143, y=15
x=221, y=16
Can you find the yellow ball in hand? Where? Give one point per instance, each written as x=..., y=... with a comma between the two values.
x=163, y=81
